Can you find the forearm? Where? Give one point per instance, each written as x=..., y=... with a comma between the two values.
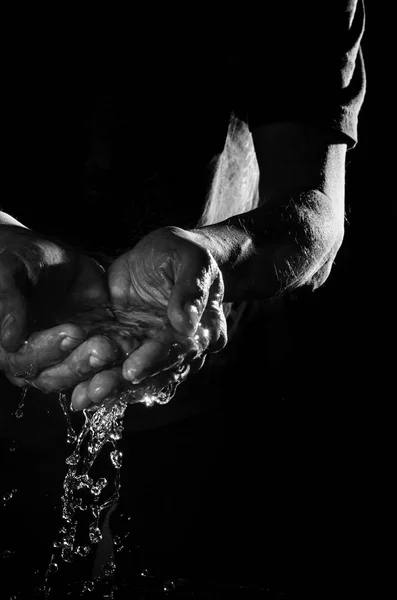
x=275, y=248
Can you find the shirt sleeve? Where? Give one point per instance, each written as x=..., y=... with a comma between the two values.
x=303, y=63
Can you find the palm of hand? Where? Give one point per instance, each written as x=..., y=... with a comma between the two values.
x=56, y=287
x=146, y=286
x=149, y=283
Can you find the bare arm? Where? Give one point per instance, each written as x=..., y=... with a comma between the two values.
x=290, y=240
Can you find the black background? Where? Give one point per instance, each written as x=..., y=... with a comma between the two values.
x=329, y=357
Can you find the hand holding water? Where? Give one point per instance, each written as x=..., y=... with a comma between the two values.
x=170, y=275
x=57, y=331
x=43, y=285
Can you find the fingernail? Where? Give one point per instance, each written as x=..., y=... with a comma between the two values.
x=69, y=343
x=97, y=362
x=133, y=375
x=130, y=376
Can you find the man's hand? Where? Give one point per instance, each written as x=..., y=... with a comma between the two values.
x=169, y=273
x=43, y=284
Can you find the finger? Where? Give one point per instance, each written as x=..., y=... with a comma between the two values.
x=119, y=281
x=93, y=355
x=44, y=349
x=189, y=295
x=149, y=390
x=146, y=392
x=214, y=318
x=80, y=397
x=13, y=317
x=105, y=385
x=151, y=357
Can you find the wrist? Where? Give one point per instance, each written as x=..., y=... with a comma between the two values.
x=266, y=261
x=228, y=245
x=232, y=249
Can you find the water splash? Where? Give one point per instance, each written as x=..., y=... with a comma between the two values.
x=102, y=428
x=71, y=435
x=21, y=404
x=9, y=496
x=169, y=586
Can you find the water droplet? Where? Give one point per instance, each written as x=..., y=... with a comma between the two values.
x=88, y=586
x=73, y=459
x=67, y=554
x=53, y=567
x=71, y=438
x=116, y=457
x=7, y=497
x=66, y=408
x=109, y=569
x=148, y=400
x=168, y=586
x=83, y=550
x=19, y=410
x=95, y=534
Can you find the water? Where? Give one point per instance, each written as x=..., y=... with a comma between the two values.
x=87, y=497
x=9, y=496
x=21, y=404
x=70, y=433
x=169, y=586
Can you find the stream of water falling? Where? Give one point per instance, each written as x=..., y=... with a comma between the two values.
x=86, y=497
x=21, y=404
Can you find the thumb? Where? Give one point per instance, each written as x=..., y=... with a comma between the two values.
x=13, y=317
x=188, y=299
x=119, y=283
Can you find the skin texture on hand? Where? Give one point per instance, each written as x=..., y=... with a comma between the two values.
x=171, y=275
x=50, y=297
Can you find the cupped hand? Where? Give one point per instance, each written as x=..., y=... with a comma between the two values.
x=51, y=296
x=171, y=278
